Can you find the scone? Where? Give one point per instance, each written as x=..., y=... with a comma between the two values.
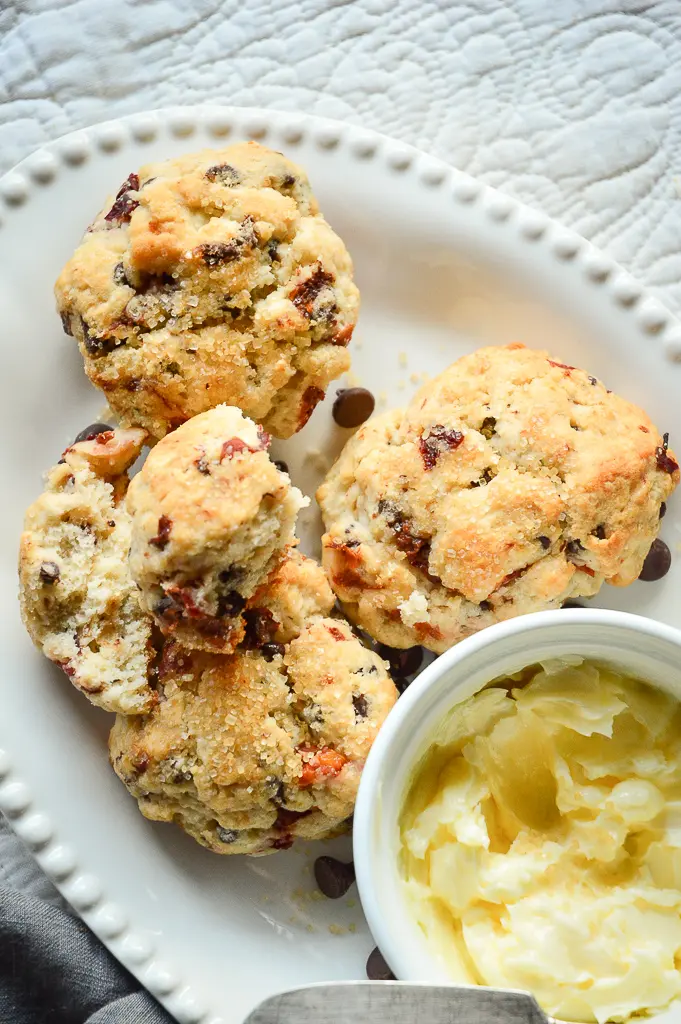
x=250, y=751
x=212, y=278
x=212, y=517
x=78, y=600
x=511, y=483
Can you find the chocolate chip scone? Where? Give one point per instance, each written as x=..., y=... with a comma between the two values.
x=209, y=279
x=511, y=483
x=78, y=600
x=212, y=518
x=250, y=751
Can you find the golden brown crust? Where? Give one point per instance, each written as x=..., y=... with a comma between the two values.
x=212, y=279
x=511, y=483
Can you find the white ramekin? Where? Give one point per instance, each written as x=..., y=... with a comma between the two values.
x=642, y=647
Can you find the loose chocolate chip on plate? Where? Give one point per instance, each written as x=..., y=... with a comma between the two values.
x=658, y=562
x=333, y=877
x=353, y=406
x=377, y=968
x=49, y=573
x=94, y=430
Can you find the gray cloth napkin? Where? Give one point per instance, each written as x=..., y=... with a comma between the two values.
x=52, y=968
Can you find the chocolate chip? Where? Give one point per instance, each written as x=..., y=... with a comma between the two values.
x=270, y=651
x=260, y=627
x=592, y=380
x=333, y=877
x=66, y=324
x=287, y=182
x=223, y=174
x=545, y=542
x=361, y=705
x=664, y=461
x=571, y=604
x=124, y=205
x=281, y=465
x=49, y=573
x=94, y=430
x=202, y=466
x=353, y=406
x=573, y=547
x=657, y=563
x=304, y=296
x=119, y=275
x=663, y=510
x=402, y=662
x=599, y=532
x=167, y=608
x=97, y=347
x=273, y=250
x=215, y=254
x=162, y=537
x=439, y=440
x=488, y=425
x=227, y=835
x=485, y=606
x=377, y=968
x=230, y=605
x=401, y=684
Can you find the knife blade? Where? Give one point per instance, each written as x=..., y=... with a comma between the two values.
x=397, y=1002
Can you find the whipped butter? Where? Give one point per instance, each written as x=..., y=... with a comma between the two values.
x=541, y=841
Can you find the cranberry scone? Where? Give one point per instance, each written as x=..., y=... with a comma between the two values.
x=211, y=278
x=78, y=600
x=250, y=751
x=212, y=518
x=511, y=483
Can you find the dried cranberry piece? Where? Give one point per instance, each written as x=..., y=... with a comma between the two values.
x=308, y=403
x=440, y=440
x=162, y=537
x=124, y=204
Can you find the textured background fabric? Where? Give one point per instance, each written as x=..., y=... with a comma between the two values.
x=573, y=105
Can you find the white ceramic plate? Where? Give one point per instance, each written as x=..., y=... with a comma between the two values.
x=444, y=264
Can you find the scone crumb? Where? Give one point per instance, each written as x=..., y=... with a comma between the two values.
x=414, y=609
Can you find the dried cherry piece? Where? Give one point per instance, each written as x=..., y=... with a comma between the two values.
x=124, y=204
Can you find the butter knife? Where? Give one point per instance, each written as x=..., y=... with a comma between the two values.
x=397, y=1002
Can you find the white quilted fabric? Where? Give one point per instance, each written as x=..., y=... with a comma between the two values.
x=572, y=105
